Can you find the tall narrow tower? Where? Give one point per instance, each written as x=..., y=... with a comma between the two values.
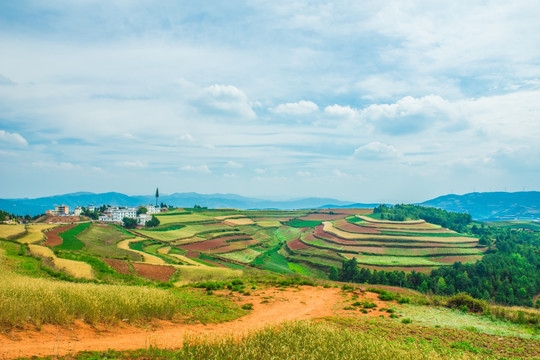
x=157, y=196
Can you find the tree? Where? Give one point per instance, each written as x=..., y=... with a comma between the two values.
x=157, y=196
x=142, y=210
x=152, y=222
x=334, y=274
x=129, y=223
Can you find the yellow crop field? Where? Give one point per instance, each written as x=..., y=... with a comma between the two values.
x=164, y=250
x=190, y=273
x=77, y=269
x=187, y=260
x=228, y=217
x=149, y=259
x=173, y=219
x=35, y=233
x=171, y=235
x=329, y=228
x=11, y=231
x=238, y=222
x=268, y=223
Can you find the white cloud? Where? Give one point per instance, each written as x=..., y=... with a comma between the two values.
x=341, y=111
x=230, y=175
x=304, y=173
x=340, y=174
x=412, y=115
x=187, y=137
x=376, y=151
x=203, y=169
x=233, y=165
x=298, y=108
x=228, y=99
x=12, y=139
x=133, y=164
x=260, y=171
x=53, y=165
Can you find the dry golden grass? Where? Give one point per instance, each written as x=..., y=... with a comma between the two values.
x=190, y=274
x=149, y=259
x=77, y=269
x=11, y=231
x=35, y=233
x=238, y=222
x=39, y=301
x=408, y=222
x=164, y=250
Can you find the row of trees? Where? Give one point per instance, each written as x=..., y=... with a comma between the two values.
x=509, y=274
x=130, y=223
x=451, y=220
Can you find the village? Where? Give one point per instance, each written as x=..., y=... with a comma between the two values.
x=109, y=214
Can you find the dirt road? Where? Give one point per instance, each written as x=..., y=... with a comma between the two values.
x=278, y=306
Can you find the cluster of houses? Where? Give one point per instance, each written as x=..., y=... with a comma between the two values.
x=114, y=214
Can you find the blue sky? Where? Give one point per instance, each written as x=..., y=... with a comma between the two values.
x=394, y=101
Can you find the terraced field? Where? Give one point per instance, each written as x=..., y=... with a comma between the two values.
x=207, y=244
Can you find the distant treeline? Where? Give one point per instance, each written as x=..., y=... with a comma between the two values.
x=5, y=216
x=451, y=220
x=508, y=274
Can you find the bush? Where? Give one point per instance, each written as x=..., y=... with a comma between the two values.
x=466, y=302
x=406, y=321
x=248, y=306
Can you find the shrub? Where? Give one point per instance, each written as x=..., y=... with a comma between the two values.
x=466, y=302
x=406, y=321
x=247, y=306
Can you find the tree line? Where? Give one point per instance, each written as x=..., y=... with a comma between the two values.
x=508, y=274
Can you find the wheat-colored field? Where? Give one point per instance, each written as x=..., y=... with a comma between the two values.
x=35, y=233
x=148, y=258
x=238, y=222
x=190, y=274
x=11, y=231
x=77, y=269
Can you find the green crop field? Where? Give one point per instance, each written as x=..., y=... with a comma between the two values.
x=393, y=260
x=183, y=218
x=70, y=240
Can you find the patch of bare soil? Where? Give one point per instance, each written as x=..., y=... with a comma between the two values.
x=270, y=306
x=52, y=237
x=154, y=272
x=120, y=266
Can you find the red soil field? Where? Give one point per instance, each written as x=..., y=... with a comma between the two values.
x=49, y=219
x=297, y=245
x=347, y=226
x=120, y=266
x=204, y=245
x=233, y=238
x=52, y=237
x=461, y=258
x=348, y=211
x=192, y=254
x=322, y=217
x=420, y=269
x=282, y=219
x=154, y=272
x=235, y=246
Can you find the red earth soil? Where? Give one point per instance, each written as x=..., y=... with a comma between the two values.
x=235, y=246
x=192, y=254
x=52, y=237
x=348, y=211
x=154, y=272
x=280, y=305
x=120, y=266
x=322, y=217
x=281, y=219
x=63, y=219
x=231, y=238
x=297, y=245
x=204, y=245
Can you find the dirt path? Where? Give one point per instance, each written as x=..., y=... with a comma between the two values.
x=150, y=259
x=280, y=306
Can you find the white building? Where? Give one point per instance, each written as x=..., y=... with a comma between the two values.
x=153, y=209
x=77, y=211
x=143, y=218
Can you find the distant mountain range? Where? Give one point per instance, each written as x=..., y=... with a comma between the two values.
x=495, y=206
x=482, y=206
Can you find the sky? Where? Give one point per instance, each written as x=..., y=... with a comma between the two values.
x=365, y=101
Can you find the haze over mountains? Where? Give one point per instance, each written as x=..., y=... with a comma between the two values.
x=482, y=206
